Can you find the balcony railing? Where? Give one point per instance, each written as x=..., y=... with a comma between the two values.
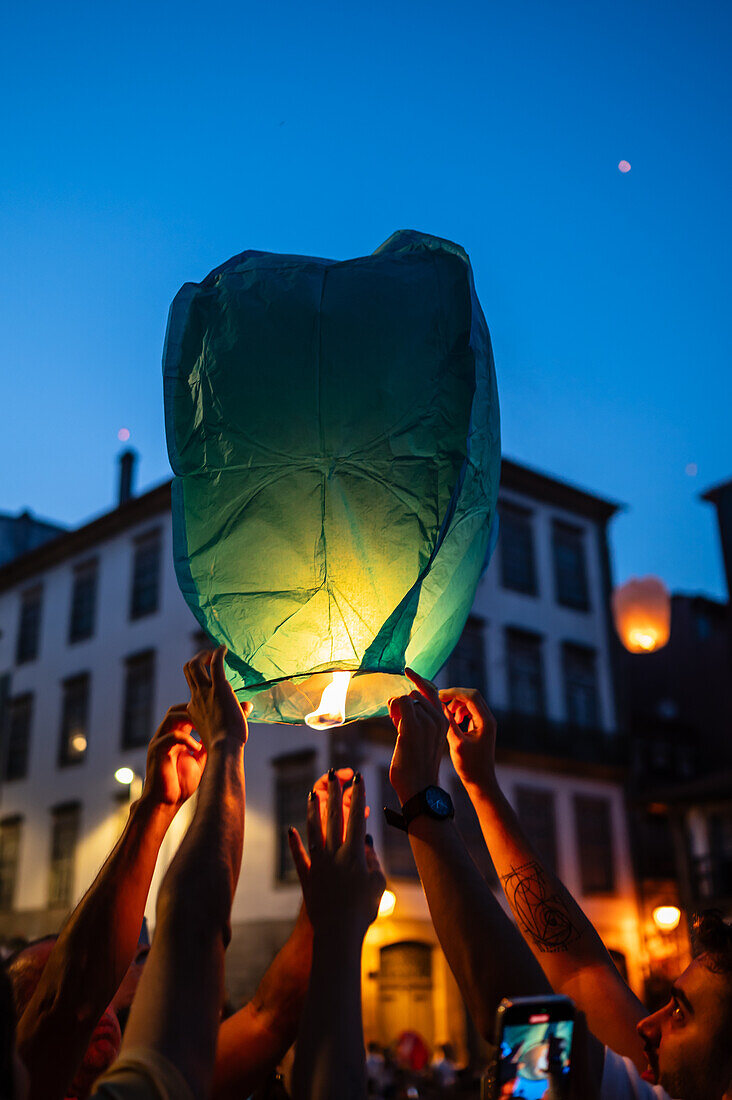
x=544, y=737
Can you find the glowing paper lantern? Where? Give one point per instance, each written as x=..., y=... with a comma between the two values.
x=334, y=431
x=642, y=610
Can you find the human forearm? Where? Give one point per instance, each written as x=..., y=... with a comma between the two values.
x=329, y=1064
x=485, y=952
x=193, y=924
x=563, y=940
x=92, y=954
x=254, y=1040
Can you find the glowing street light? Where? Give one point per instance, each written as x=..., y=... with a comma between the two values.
x=387, y=903
x=125, y=776
x=666, y=917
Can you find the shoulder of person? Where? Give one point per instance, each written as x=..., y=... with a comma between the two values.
x=622, y=1081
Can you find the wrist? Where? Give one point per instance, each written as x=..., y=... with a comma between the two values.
x=407, y=788
x=149, y=811
x=339, y=939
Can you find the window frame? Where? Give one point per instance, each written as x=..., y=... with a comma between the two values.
x=549, y=852
x=137, y=609
x=143, y=658
x=15, y=702
x=561, y=528
x=67, y=873
x=509, y=511
x=515, y=635
x=27, y=653
x=65, y=758
x=82, y=572
x=570, y=650
x=302, y=769
x=590, y=851
x=14, y=822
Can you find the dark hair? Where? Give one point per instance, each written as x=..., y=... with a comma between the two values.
x=711, y=937
x=7, y=1038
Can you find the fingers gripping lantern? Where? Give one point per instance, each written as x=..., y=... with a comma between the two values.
x=333, y=428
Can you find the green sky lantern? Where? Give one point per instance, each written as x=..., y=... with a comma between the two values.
x=334, y=432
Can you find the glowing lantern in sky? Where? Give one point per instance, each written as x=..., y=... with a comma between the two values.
x=642, y=610
x=334, y=431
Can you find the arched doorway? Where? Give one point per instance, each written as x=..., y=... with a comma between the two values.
x=405, y=991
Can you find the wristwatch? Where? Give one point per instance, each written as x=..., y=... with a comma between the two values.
x=432, y=801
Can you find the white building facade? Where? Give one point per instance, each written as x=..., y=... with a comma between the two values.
x=95, y=634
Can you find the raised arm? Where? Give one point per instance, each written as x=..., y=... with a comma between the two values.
x=483, y=948
x=176, y=1011
x=342, y=885
x=554, y=926
x=255, y=1039
x=98, y=942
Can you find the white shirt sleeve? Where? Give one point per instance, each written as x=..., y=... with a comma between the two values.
x=621, y=1081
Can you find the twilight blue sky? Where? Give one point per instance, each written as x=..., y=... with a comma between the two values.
x=143, y=144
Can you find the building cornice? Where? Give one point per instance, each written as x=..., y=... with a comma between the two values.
x=550, y=490
x=514, y=477
x=82, y=539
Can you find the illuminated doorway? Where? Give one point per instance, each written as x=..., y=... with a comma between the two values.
x=405, y=991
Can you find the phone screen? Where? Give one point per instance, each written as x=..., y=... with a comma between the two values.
x=528, y=1049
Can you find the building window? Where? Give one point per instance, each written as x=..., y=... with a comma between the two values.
x=139, y=699
x=580, y=686
x=467, y=664
x=516, y=537
x=83, y=602
x=9, y=853
x=64, y=836
x=19, y=729
x=29, y=627
x=202, y=642
x=294, y=779
x=74, y=720
x=595, y=843
x=570, y=566
x=145, y=577
x=535, y=810
x=525, y=672
x=398, y=858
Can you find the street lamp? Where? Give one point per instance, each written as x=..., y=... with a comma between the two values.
x=124, y=776
x=666, y=917
x=387, y=903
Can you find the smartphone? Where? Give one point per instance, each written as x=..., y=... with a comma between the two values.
x=534, y=1037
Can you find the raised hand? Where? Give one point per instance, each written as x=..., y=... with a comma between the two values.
x=341, y=879
x=175, y=761
x=214, y=710
x=472, y=736
x=422, y=727
x=321, y=789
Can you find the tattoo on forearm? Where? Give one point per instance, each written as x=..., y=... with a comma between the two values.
x=542, y=915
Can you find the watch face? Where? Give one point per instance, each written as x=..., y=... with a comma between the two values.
x=438, y=801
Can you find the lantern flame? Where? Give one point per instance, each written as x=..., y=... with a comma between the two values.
x=332, y=709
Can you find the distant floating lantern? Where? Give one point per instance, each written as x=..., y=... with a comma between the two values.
x=334, y=432
x=666, y=917
x=642, y=610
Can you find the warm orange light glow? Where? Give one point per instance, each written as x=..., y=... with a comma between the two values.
x=667, y=917
x=387, y=903
x=78, y=743
x=642, y=610
x=332, y=709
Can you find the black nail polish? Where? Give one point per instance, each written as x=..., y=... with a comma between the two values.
x=290, y=830
x=312, y=796
x=357, y=777
x=331, y=773
x=369, y=840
